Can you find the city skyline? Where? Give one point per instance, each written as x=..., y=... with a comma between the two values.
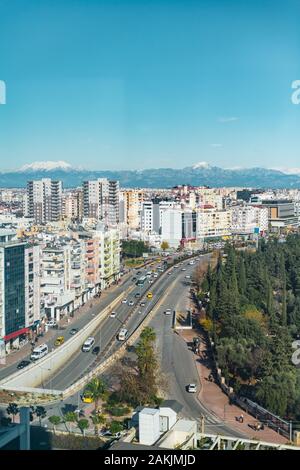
x=131, y=85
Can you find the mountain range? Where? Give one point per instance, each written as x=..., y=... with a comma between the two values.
x=200, y=174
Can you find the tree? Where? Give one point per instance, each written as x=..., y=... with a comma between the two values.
x=55, y=421
x=13, y=410
x=70, y=417
x=98, y=420
x=164, y=245
x=97, y=388
x=115, y=426
x=41, y=413
x=83, y=425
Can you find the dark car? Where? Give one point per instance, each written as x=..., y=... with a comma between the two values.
x=139, y=272
x=96, y=350
x=137, y=295
x=73, y=331
x=23, y=364
x=133, y=279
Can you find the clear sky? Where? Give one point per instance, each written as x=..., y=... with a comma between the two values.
x=110, y=84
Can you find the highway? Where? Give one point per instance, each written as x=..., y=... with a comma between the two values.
x=106, y=334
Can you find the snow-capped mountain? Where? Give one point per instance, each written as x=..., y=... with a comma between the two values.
x=199, y=174
x=45, y=166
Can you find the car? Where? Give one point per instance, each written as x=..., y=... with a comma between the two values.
x=150, y=281
x=51, y=323
x=138, y=294
x=168, y=311
x=188, y=276
x=192, y=388
x=87, y=397
x=142, y=304
x=124, y=301
x=139, y=272
x=140, y=312
x=59, y=340
x=74, y=331
x=169, y=273
x=133, y=279
x=96, y=350
x=183, y=269
x=131, y=303
x=149, y=295
x=23, y=364
x=112, y=314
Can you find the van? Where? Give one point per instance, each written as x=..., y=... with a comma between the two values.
x=88, y=344
x=39, y=352
x=123, y=333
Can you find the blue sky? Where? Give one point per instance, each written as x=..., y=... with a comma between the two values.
x=110, y=84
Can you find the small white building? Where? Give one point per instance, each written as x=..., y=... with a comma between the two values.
x=149, y=426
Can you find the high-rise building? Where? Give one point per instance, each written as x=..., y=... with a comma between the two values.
x=101, y=200
x=19, y=291
x=133, y=199
x=44, y=200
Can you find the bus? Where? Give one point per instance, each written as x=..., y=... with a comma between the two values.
x=141, y=281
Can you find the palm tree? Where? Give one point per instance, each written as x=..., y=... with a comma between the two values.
x=41, y=413
x=98, y=420
x=13, y=410
x=97, y=388
x=70, y=417
x=148, y=334
x=83, y=424
x=55, y=420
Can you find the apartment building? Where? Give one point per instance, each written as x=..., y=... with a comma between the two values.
x=132, y=200
x=246, y=218
x=213, y=223
x=19, y=293
x=72, y=205
x=101, y=201
x=43, y=202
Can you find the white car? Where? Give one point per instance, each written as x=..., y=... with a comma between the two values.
x=183, y=269
x=51, y=323
x=192, y=388
x=131, y=302
x=188, y=276
x=168, y=311
x=124, y=301
x=113, y=315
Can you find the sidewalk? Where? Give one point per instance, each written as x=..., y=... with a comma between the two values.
x=213, y=398
x=22, y=353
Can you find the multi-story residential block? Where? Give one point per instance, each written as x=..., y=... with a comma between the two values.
x=213, y=223
x=57, y=296
x=133, y=200
x=246, y=218
x=44, y=200
x=72, y=205
x=171, y=226
x=101, y=200
x=19, y=293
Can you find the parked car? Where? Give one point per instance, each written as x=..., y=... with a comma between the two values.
x=131, y=303
x=23, y=364
x=142, y=304
x=192, y=388
x=124, y=301
x=138, y=294
x=51, y=323
x=168, y=311
x=133, y=279
x=96, y=350
x=74, y=331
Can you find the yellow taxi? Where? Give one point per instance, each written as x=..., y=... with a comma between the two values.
x=149, y=295
x=87, y=397
x=59, y=340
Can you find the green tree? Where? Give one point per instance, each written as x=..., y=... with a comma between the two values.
x=164, y=245
x=70, y=417
x=55, y=421
x=97, y=388
x=41, y=413
x=115, y=426
x=83, y=425
x=97, y=421
x=13, y=410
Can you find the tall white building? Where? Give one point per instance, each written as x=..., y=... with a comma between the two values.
x=101, y=200
x=171, y=226
x=43, y=200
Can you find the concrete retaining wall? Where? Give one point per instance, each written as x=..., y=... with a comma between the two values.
x=41, y=371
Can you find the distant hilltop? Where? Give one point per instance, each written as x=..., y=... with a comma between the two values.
x=199, y=174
